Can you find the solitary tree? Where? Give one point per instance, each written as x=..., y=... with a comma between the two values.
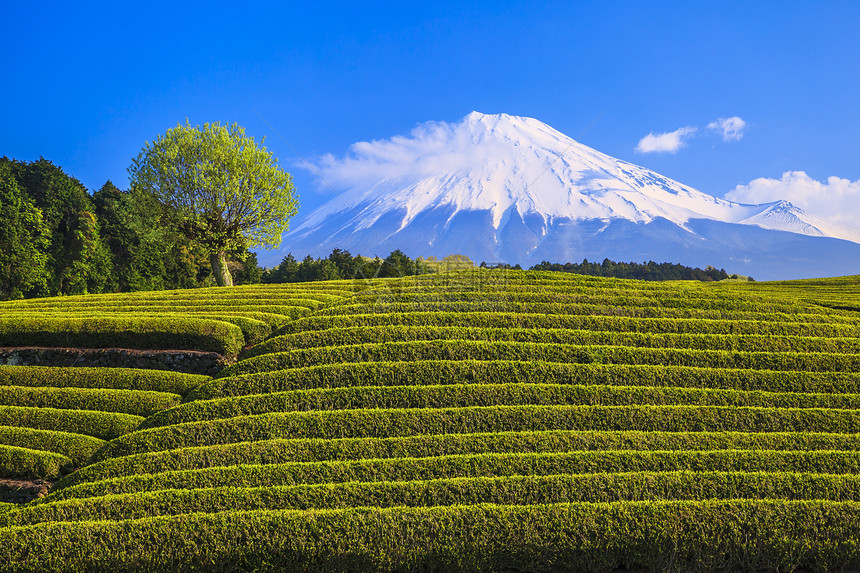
x=220, y=189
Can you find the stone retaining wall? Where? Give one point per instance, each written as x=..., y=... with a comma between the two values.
x=189, y=361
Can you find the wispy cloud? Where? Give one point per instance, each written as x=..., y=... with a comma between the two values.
x=433, y=147
x=730, y=128
x=665, y=142
x=837, y=199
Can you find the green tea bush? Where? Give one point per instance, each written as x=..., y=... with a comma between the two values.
x=280, y=450
x=123, y=332
x=502, y=490
x=574, y=322
x=416, y=421
x=102, y=425
x=77, y=447
x=530, y=351
x=610, y=297
x=487, y=394
x=734, y=342
x=431, y=372
x=684, y=535
x=18, y=462
x=138, y=402
x=469, y=466
x=588, y=310
x=89, y=377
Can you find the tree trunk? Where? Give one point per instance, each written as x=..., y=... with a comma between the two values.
x=220, y=270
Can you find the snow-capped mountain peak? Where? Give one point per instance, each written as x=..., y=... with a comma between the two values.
x=513, y=182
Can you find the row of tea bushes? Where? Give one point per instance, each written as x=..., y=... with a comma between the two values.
x=683, y=535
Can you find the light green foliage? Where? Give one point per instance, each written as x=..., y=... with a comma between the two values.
x=123, y=331
x=18, y=462
x=225, y=192
x=428, y=372
x=137, y=402
x=77, y=447
x=102, y=425
x=89, y=377
x=677, y=535
x=133, y=469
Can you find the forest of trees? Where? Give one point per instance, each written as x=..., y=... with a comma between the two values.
x=57, y=239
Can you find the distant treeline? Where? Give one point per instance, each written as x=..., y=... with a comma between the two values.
x=649, y=271
x=341, y=264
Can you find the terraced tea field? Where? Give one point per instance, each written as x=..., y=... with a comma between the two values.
x=487, y=420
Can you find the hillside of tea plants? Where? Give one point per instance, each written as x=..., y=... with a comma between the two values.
x=482, y=420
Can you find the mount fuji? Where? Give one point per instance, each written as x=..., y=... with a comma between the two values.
x=501, y=188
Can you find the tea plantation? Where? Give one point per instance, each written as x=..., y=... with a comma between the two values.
x=483, y=420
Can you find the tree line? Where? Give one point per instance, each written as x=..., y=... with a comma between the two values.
x=649, y=271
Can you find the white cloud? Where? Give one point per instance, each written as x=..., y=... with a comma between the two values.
x=837, y=199
x=432, y=148
x=665, y=142
x=730, y=128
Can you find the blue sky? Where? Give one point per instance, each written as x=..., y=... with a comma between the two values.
x=86, y=83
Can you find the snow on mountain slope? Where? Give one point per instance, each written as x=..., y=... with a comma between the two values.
x=783, y=216
x=502, y=187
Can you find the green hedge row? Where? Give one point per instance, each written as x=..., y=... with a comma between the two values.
x=639, y=288
x=575, y=322
x=88, y=377
x=469, y=466
x=291, y=312
x=416, y=421
x=18, y=462
x=178, y=303
x=431, y=372
x=323, y=292
x=102, y=425
x=587, y=310
x=487, y=394
x=281, y=450
x=253, y=330
x=77, y=447
x=734, y=342
x=530, y=351
x=272, y=320
x=505, y=490
x=124, y=332
x=683, y=535
x=138, y=402
x=255, y=325
x=653, y=289
x=614, y=297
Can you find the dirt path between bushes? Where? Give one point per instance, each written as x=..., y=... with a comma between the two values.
x=22, y=491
